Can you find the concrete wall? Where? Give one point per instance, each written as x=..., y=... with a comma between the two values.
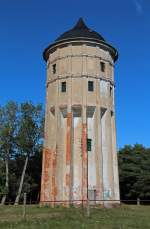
x=71, y=118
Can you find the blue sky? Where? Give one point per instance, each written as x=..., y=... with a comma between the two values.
x=27, y=27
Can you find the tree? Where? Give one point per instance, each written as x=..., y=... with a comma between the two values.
x=134, y=173
x=29, y=136
x=34, y=172
x=8, y=125
x=2, y=175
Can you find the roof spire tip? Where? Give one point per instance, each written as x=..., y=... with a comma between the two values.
x=80, y=24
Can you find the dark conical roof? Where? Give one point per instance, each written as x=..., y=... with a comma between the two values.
x=80, y=30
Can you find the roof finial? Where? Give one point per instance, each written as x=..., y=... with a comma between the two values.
x=80, y=24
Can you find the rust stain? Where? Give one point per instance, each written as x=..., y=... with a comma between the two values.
x=53, y=187
x=67, y=179
x=42, y=183
x=45, y=176
x=48, y=180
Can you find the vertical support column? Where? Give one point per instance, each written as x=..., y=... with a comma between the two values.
x=42, y=180
x=68, y=157
x=46, y=178
x=53, y=188
x=42, y=194
x=47, y=168
x=54, y=151
x=91, y=154
x=76, y=157
x=98, y=143
x=115, y=160
x=107, y=156
x=61, y=153
x=99, y=160
x=84, y=158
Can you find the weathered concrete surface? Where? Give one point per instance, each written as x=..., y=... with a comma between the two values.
x=69, y=171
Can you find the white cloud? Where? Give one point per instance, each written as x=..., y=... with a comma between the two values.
x=138, y=6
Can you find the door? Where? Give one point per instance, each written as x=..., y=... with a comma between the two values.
x=92, y=197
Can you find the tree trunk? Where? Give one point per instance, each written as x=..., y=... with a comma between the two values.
x=6, y=182
x=21, y=181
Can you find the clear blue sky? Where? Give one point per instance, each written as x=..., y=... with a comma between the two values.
x=27, y=27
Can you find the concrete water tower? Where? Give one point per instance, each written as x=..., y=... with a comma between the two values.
x=79, y=157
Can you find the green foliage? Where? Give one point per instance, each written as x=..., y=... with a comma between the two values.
x=29, y=131
x=2, y=176
x=134, y=172
x=28, y=139
x=32, y=178
x=21, y=136
x=8, y=127
x=8, y=124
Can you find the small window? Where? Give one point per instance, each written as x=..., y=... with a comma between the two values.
x=111, y=90
x=89, y=144
x=102, y=66
x=54, y=68
x=63, y=87
x=90, y=86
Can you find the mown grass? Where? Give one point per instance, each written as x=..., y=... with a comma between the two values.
x=124, y=217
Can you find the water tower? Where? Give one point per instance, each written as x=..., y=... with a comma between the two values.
x=79, y=156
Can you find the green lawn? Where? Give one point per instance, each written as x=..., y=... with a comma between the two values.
x=123, y=217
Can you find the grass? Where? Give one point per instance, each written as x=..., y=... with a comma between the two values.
x=124, y=217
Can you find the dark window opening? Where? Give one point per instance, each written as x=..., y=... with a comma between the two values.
x=89, y=144
x=102, y=65
x=90, y=86
x=54, y=68
x=63, y=87
x=111, y=91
